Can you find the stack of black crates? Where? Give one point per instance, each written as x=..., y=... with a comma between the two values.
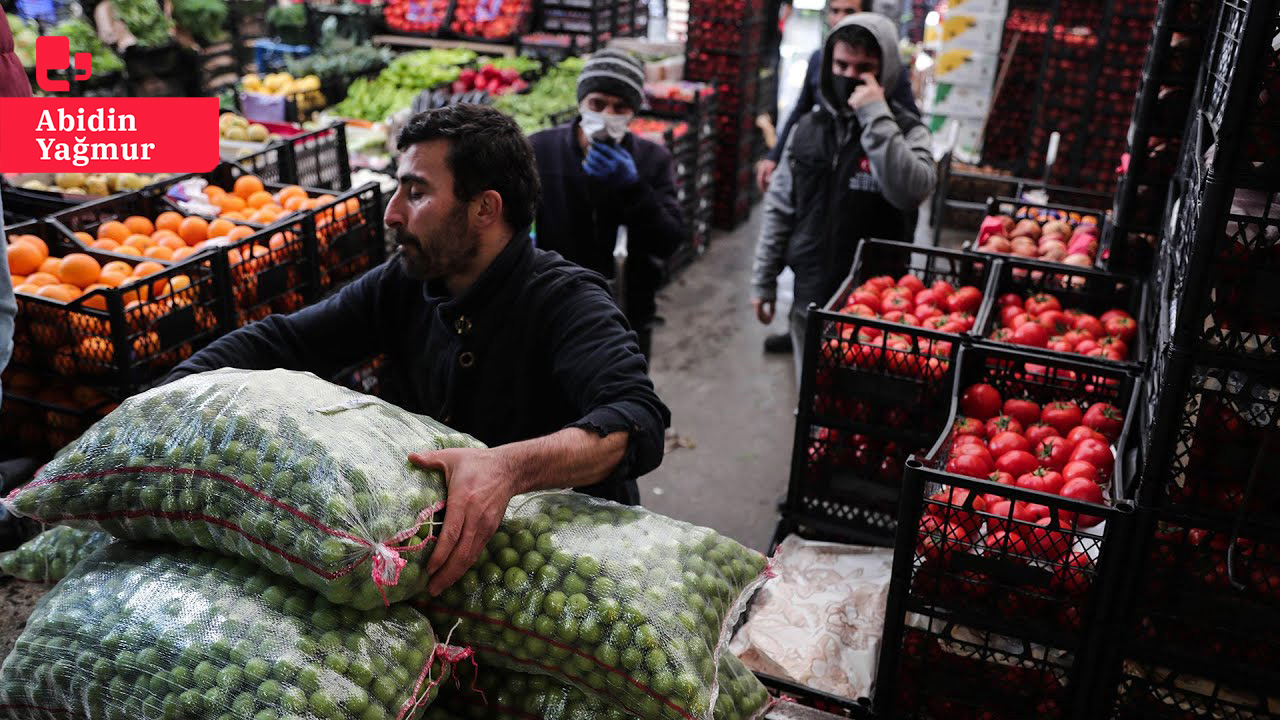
x=589, y=24
x=1202, y=636
x=724, y=50
x=694, y=165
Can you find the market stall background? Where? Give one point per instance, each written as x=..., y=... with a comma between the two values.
x=1104, y=164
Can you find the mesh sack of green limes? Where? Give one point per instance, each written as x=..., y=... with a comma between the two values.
x=49, y=556
x=308, y=479
x=489, y=693
x=614, y=600
x=148, y=633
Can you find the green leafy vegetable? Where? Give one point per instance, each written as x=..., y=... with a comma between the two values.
x=555, y=93
x=83, y=39
x=205, y=19
x=145, y=21
x=395, y=88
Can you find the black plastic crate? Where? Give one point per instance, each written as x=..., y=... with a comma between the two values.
x=724, y=35
x=1241, y=101
x=988, y=611
x=126, y=337
x=1084, y=289
x=88, y=217
x=1024, y=209
x=350, y=238
x=1149, y=690
x=40, y=416
x=21, y=204
x=274, y=270
x=808, y=697
x=319, y=158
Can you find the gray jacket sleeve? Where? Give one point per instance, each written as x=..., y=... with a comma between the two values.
x=902, y=164
x=775, y=233
x=8, y=306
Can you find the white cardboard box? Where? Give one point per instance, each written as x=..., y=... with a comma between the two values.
x=957, y=100
x=960, y=66
x=987, y=7
x=968, y=139
x=973, y=31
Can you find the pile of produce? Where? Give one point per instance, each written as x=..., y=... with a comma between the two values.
x=395, y=88
x=1040, y=321
x=289, y=23
x=204, y=19
x=235, y=127
x=67, y=277
x=1042, y=234
x=24, y=39
x=490, y=19
x=83, y=38
x=556, y=92
x=138, y=631
x=48, y=557
x=97, y=184
x=605, y=597
x=305, y=91
x=308, y=479
x=146, y=22
x=416, y=16
x=342, y=60
x=491, y=80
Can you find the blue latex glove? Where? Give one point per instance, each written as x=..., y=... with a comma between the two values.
x=611, y=164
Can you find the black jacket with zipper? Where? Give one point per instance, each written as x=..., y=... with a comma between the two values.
x=579, y=215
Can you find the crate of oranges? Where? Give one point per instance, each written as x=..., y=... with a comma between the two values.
x=347, y=225
x=42, y=415
x=96, y=318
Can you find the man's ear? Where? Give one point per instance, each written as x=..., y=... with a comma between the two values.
x=487, y=208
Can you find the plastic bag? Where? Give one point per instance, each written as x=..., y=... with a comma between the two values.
x=510, y=695
x=605, y=597
x=309, y=479
x=139, y=632
x=48, y=556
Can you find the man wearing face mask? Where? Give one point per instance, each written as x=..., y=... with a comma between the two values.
x=597, y=176
x=857, y=168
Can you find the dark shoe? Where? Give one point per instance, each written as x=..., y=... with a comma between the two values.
x=779, y=344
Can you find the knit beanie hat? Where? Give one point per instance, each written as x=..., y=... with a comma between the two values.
x=613, y=72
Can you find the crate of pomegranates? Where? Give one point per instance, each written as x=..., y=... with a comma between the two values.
x=1044, y=233
x=1066, y=310
x=1012, y=536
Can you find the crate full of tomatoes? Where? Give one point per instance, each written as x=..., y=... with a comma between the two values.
x=419, y=17
x=1066, y=310
x=1046, y=233
x=491, y=20
x=1011, y=535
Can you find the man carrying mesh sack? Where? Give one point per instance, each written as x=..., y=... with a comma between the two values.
x=513, y=345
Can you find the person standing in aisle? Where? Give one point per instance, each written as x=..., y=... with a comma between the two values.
x=597, y=176
x=481, y=330
x=13, y=83
x=858, y=168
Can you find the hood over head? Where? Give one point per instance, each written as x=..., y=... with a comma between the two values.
x=886, y=36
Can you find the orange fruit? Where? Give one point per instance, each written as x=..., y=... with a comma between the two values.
x=231, y=203
x=259, y=199
x=128, y=250
x=183, y=253
x=24, y=258
x=159, y=235
x=79, y=269
x=142, y=242
x=289, y=191
x=294, y=202
x=168, y=220
x=247, y=185
x=42, y=278
x=176, y=284
x=159, y=252
x=324, y=199
x=139, y=224
x=115, y=230
x=35, y=242
x=146, y=268
x=220, y=227
x=16, y=280
x=99, y=301
x=232, y=215
x=174, y=243
x=61, y=293
x=194, y=229
x=119, y=267
x=96, y=349
x=277, y=241
x=50, y=265
x=104, y=244
x=86, y=238
x=27, y=289
x=213, y=192
x=112, y=279
x=239, y=232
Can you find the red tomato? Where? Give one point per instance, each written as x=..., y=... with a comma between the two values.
x=967, y=439
x=942, y=288
x=936, y=540
x=980, y=401
x=879, y=283
x=910, y=319
x=1062, y=416
x=1041, y=302
x=1001, y=477
x=1096, y=453
x=953, y=506
x=1084, y=490
x=1005, y=442
x=926, y=312
x=1114, y=345
x=968, y=426
x=1075, y=337
x=1008, y=313
x=1114, y=313
x=966, y=319
x=967, y=299
x=1053, y=321
x=1057, y=344
x=899, y=292
x=1084, y=347
x=1075, y=575
x=1008, y=299
x=928, y=297
x=1046, y=541
x=1031, y=334
x=1017, y=462
x=975, y=449
x=1004, y=542
x=1054, y=452
x=912, y=283
x=1125, y=328
x=1038, y=431
x=895, y=302
x=1080, y=468
x=1105, y=419
x=860, y=310
x=1024, y=411
x=1022, y=318
x=972, y=466
x=1002, y=423
x=1002, y=335
x=1080, y=432
x=867, y=298
x=1041, y=480
x=893, y=316
x=1089, y=324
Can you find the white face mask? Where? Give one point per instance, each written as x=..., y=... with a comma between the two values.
x=615, y=126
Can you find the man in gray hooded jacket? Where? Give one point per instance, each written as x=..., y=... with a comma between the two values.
x=858, y=169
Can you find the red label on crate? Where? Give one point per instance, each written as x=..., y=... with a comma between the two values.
x=94, y=135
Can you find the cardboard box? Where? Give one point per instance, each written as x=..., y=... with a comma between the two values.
x=957, y=101
x=967, y=147
x=978, y=32
x=985, y=7
x=959, y=66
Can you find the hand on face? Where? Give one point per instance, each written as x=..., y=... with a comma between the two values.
x=867, y=93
